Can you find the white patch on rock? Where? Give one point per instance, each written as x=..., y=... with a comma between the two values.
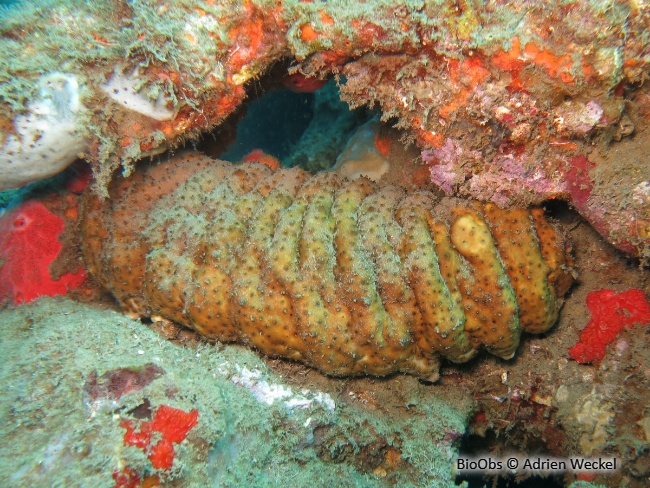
x=594, y=413
x=47, y=138
x=270, y=393
x=127, y=91
x=641, y=193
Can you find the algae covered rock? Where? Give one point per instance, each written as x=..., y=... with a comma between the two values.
x=83, y=386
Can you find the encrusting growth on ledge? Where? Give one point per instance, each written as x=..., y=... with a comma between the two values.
x=341, y=275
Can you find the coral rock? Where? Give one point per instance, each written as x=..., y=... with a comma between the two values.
x=342, y=275
x=526, y=85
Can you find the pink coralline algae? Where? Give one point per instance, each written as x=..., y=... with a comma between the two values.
x=611, y=312
x=442, y=162
x=501, y=183
x=28, y=246
x=113, y=384
x=577, y=119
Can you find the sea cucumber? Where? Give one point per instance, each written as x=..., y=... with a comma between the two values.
x=342, y=275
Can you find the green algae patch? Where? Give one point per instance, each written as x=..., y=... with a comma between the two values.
x=78, y=379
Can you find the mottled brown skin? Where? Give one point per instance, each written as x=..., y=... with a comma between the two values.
x=344, y=276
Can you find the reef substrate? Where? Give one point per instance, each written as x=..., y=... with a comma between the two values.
x=497, y=94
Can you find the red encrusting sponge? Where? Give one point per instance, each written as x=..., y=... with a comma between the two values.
x=610, y=313
x=172, y=423
x=28, y=246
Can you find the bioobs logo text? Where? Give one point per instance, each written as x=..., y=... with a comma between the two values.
x=482, y=464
